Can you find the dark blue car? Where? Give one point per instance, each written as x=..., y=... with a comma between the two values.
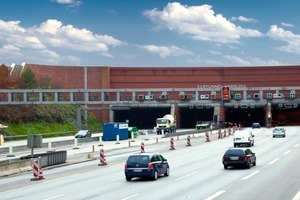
x=149, y=165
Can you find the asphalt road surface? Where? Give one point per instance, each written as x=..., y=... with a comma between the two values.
x=196, y=173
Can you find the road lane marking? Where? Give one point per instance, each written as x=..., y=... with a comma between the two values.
x=186, y=176
x=116, y=179
x=54, y=197
x=297, y=196
x=130, y=197
x=287, y=152
x=273, y=161
x=296, y=145
x=215, y=195
x=250, y=175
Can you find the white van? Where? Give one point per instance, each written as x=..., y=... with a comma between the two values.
x=243, y=138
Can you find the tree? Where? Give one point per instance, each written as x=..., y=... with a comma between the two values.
x=6, y=81
x=28, y=80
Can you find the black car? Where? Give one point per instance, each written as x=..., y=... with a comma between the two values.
x=239, y=157
x=83, y=134
x=256, y=125
x=149, y=165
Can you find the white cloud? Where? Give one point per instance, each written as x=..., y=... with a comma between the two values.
x=292, y=40
x=50, y=39
x=287, y=24
x=164, y=51
x=70, y=3
x=198, y=23
x=243, y=19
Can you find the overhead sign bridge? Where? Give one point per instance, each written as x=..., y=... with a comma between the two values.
x=244, y=97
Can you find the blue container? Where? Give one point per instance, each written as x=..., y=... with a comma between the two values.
x=111, y=130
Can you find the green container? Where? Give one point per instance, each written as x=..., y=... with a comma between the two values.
x=133, y=130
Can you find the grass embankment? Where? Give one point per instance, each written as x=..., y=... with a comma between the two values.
x=50, y=121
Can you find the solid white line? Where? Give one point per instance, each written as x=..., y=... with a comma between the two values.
x=54, y=197
x=116, y=179
x=273, y=161
x=130, y=196
x=250, y=175
x=186, y=175
x=287, y=152
x=297, y=196
x=215, y=195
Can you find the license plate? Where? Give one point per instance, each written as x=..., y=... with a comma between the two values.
x=237, y=138
x=137, y=170
x=234, y=158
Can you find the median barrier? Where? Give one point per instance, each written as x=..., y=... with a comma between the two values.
x=14, y=166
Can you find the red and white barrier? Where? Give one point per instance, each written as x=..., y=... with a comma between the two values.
x=37, y=171
x=219, y=134
x=207, y=137
x=172, y=144
x=188, y=141
x=142, y=147
x=102, y=158
x=225, y=132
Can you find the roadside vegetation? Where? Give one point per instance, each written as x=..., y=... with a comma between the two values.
x=48, y=120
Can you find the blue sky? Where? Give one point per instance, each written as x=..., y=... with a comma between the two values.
x=150, y=33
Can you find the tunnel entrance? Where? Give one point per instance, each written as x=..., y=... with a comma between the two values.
x=245, y=117
x=190, y=115
x=285, y=116
x=143, y=118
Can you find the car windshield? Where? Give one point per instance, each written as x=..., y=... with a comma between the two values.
x=278, y=129
x=138, y=159
x=236, y=152
x=162, y=121
x=81, y=132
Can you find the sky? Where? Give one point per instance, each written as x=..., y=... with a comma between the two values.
x=150, y=33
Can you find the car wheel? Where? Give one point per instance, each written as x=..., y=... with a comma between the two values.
x=248, y=165
x=155, y=175
x=128, y=178
x=225, y=166
x=254, y=164
x=167, y=173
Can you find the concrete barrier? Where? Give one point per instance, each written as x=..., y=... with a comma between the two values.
x=9, y=167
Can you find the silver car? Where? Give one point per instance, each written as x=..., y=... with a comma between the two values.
x=278, y=132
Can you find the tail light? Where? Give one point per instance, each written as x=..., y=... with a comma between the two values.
x=223, y=158
x=246, y=158
x=126, y=166
x=150, y=166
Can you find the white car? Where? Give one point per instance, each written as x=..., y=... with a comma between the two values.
x=243, y=138
x=279, y=131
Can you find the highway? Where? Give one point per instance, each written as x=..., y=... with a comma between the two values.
x=197, y=173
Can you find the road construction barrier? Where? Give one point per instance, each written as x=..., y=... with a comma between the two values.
x=229, y=131
x=220, y=134
x=37, y=170
x=102, y=158
x=225, y=132
x=207, y=137
x=172, y=144
x=188, y=141
x=142, y=147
